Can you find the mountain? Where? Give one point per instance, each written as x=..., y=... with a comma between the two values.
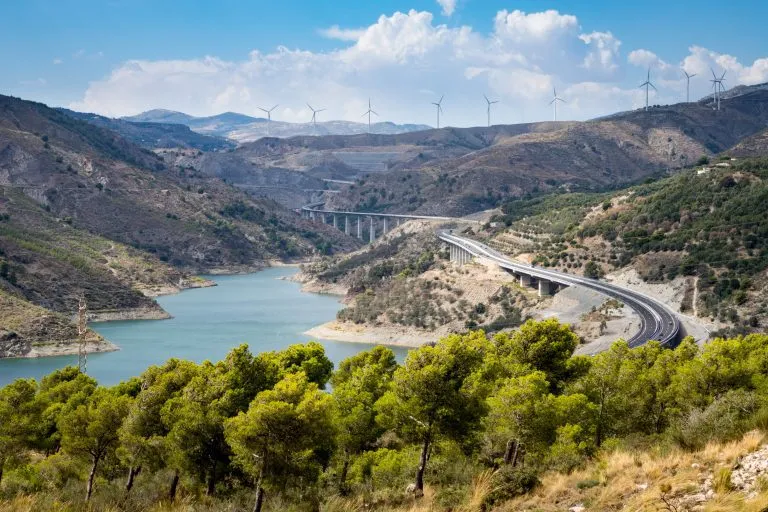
x=83, y=211
x=243, y=128
x=459, y=171
x=154, y=135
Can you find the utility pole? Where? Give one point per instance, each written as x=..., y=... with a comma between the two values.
x=82, y=330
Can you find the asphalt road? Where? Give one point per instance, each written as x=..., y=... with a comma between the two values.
x=657, y=321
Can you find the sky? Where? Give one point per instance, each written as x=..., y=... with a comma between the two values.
x=122, y=57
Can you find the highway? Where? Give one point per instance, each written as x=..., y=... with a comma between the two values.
x=657, y=322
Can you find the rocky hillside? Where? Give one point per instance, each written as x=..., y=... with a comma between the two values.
x=702, y=229
x=102, y=183
x=594, y=155
x=85, y=212
x=155, y=135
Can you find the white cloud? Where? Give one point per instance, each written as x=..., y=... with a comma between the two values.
x=604, y=50
x=57, y=61
x=448, y=6
x=342, y=34
x=534, y=28
x=406, y=60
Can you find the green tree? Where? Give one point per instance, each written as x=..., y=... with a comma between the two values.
x=357, y=385
x=90, y=429
x=285, y=434
x=195, y=423
x=142, y=435
x=59, y=392
x=438, y=393
x=19, y=415
x=546, y=345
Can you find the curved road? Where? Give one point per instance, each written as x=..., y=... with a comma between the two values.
x=657, y=321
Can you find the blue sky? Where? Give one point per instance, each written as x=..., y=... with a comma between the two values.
x=118, y=57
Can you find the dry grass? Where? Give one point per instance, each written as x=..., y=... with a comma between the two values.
x=631, y=481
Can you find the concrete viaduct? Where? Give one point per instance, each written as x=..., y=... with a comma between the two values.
x=657, y=321
x=355, y=223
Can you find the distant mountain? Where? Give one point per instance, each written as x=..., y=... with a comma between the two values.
x=156, y=134
x=243, y=128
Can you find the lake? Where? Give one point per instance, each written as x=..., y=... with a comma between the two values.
x=263, y=309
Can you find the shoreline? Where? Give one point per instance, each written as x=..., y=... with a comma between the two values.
x=393, y=336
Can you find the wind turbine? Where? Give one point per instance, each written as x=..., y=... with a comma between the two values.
x=688, y=86
x=269, y=115
x=314, y=115
x=647, y=84
x=717, y=85
x=489, y=102
x=368, y=113
x=439, y=109
x=554, y=101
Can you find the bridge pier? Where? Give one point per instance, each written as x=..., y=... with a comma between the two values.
x=525, y=280
x=359, y=228
x=311, y=215
x=372, y=232
x=346, y=225
x=545, y=288
x=384, y=230
x=335, y=222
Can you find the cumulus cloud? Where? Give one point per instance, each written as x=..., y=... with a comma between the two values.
x=448, y=6
x=405, y=60
x=342, y=34
x=603, y=51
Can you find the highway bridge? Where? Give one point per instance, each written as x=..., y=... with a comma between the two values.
x=377, y=222
x=657, y=322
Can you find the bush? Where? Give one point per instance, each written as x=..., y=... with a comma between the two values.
x=509, y=482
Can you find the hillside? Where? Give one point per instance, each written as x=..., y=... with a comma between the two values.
x=243, y=128
x=83, y=211
x=594, y=155
x=153, y=135
x=700, y=231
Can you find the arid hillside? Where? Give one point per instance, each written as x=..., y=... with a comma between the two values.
x=595, y=155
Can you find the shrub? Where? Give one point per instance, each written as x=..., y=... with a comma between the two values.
x=509, y=482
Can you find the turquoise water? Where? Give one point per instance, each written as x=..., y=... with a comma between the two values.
x=260, y=309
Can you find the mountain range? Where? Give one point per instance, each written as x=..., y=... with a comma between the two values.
x=86, y=212
x=243, y=128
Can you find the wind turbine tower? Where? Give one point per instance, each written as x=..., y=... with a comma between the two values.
x=368, y=113
x=647, y=84
x=489, y=102
x=314, y=116
x=554, y=101
x=269, y=115
x=717, y=84
x=688, y=86
x=439, y=108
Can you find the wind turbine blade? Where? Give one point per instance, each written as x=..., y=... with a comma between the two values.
x=441, y=98
x=693, y=75
x=322, y=110
x=310, y=107
x=273, y=108
x=486, y=98
x=654, y=87
x=551, y=102
x=263, y=109
x=374, y=112
x=713, y=73
x=724, y=72
x=364, y=114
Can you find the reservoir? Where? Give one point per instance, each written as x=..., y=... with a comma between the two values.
x=264, y=310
